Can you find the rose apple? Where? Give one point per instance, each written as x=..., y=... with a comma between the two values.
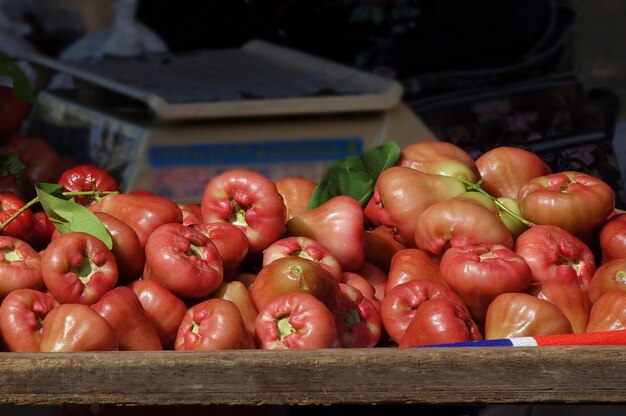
x=358, y=322
x=302, y=247
x=608, y=312
x=295, y=274
x=569, y=298
x=183, y=260
x=575, y=201
x=213, y=324
x=380, y=246
x=249, y=200
x=87, y=177
x=412, y=264
x=192, y=213
x=75, y=327
x=440, y=321
x=127, y=249
x=164, y=309
x=401, y=303
x=608, y=277
x=236, y=292
x=21, y=316
x=20, y=266
x=505, y=169
x=296, y=321
x=78, y=268
x=555, y=254
x=124, y=312
x=360, y=283
x=439, y=158
x=480, y=273
x=405, y=193
x=21, y=227
x=612, y=238
x=512, y=315
x=338, y=225
x=143, y=212
x=231, y=243
x=296, y=192
x=460, y=221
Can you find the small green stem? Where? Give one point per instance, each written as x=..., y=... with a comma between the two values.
x=469, y=186
x=35, y=200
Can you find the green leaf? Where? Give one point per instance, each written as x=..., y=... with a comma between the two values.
x=355, y=176
x=21, y=86
x=67, y=215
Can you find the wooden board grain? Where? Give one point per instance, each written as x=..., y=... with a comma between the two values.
x=342, y=376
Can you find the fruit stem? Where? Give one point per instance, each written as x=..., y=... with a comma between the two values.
x=470, y=186
x=70, y=194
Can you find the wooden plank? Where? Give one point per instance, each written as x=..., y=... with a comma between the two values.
x=340, y=376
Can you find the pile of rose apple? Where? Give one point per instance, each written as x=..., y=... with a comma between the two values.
x=444, y=249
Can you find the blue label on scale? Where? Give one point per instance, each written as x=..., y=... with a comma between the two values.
x=247, y=153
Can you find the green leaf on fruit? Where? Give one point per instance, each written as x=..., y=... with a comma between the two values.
x=67, y=215
x=355, y=176
x=21, y=86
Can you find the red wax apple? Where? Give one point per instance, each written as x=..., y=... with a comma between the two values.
x=249, y=200
x=296, y=321
x=405, y=193
x=505, y=169
x=338, y=225
x=513, y=315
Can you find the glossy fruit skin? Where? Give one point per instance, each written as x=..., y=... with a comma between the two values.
x=295, y=321
x=73, y=327
x=608, y=312
x=183, y=260
x=21, y=314
x=555, y=254
x=192, y=213
x=295, y=274
x=123, y=311
x=164, y=309
x=505, y=169
x=523, y=315
x=404, y=193
x=249, y=200
x=575, y=201
x=480, y=273
x=231, y=243
x=87, y=177
x=360, y=283
x=78, y=268
x=440, y=321
x=458, y=222
x=569, y=298
x=358, y=322
x=296, y=192
x=143, y=212
x=21, y=227
x=439, y=158
x=213, y=324
x=236, y=292
x=20, y=266
x=412, y=264
x=402, y=302
x=303, y=247
x=127, y=249
x=613, y=238
x=380, y=246
x=608, y=277
x=337, y=224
